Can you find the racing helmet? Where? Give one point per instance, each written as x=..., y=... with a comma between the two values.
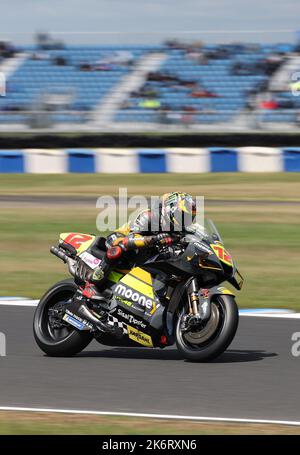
x=177, y=211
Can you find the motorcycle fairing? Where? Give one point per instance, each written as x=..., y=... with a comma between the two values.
x=134, y=300
x=79, y=241
x=221, y=253
x=136, y=288
x=139, y=337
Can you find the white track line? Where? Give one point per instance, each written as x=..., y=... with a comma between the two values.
x=153, y=416
x=19, y=303
x=291, y=315
x=270, y=315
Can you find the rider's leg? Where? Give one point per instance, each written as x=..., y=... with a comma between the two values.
x=100, y=274
x=80, y=300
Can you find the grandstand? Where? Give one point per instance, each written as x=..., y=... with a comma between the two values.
x=168, y=85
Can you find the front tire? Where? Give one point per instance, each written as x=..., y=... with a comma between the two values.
x=63, y=341
x=216, y=335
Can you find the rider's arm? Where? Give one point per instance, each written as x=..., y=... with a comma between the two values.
x=135, y=241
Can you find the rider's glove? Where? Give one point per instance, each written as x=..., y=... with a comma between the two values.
x=163, y=239
x=114, y=252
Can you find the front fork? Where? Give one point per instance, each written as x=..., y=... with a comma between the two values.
x=193, y=298
x=199, y=304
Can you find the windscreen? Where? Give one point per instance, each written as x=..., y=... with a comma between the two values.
x=207, y=232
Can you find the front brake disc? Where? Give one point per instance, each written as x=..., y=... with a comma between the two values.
x=201, y=335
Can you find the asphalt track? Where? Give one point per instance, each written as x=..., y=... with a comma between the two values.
x=257, y=378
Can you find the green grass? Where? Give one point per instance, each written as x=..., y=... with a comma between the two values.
x=12, y=423
x=264, y=239
x=267, y=253
x=279, y=186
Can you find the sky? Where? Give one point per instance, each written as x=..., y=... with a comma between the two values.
x=150, y=21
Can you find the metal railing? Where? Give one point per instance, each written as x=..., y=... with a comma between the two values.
x=147, y=119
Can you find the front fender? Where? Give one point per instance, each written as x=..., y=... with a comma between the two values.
x=206, y=296
x=220, y=290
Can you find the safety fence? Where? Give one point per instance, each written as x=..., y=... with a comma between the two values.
x=161, y=120
x=139, y=160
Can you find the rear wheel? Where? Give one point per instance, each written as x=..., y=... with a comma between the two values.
x=213, y=337
x=54, y=336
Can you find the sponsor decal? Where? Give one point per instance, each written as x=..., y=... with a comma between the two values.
x=76, y=321
x=205, y=293
x=130, y=318
x=136, y=297
x=203, y=247
x=126, y=302
x=78, y=241
x=79, y=325
x=225, y=290
x=90, y=260
x=222, y=254
x=139, y=337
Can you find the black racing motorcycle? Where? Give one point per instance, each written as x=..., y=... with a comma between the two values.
x=173, y=294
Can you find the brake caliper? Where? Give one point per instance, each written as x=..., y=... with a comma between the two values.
x=56, y=316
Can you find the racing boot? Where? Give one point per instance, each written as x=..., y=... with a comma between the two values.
x=88, y=298
x=100, y=273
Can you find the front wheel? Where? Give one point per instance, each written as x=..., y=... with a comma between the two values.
x=55, y=337
x=212, y=338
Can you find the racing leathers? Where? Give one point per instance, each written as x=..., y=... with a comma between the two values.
x=144, y=232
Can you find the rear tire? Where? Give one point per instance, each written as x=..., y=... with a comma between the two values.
x=216, y=341
x=63, y=342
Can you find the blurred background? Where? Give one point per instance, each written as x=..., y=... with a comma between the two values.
x=183, y=83
x=100, y=96
x=155, y=65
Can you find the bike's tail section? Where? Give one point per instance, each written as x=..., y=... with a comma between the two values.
x=76, y=240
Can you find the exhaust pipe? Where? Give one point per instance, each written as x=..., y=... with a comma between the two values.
x=85, y=313
x=82, y=310
x=66, y=259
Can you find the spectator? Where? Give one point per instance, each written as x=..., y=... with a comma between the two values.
x=188, y=115
x=40, y=56
x=85, y=67
x=100, y=66
x=203, y=94
x=45, y=42
x=60, y=61
x=150, y=104
x=146, y=91
x=244, y=68
x=7, y=50
x=268, y=104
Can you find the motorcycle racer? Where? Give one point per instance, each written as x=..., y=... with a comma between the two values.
x=154, y=296
x=173, y=214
